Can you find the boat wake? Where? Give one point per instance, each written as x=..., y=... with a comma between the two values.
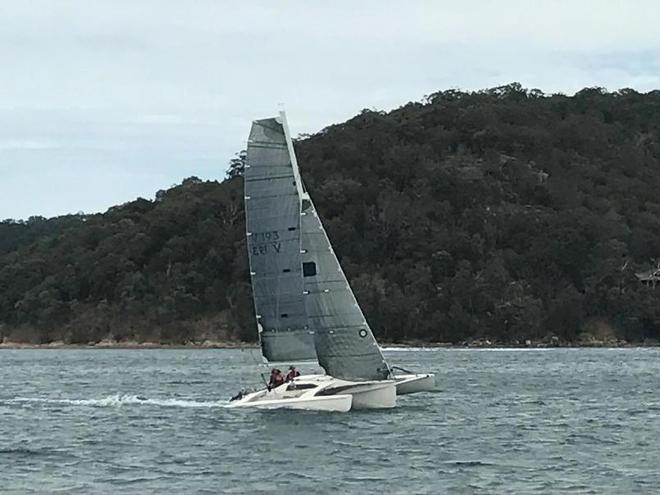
x=120, y=400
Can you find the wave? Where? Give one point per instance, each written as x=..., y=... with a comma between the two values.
x=410, y=349
x=471, y=349
x=119, y=400
x=29, y=452
x=509, y=349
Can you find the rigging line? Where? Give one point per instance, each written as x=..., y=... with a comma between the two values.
x=402, y=369
x=258, y=362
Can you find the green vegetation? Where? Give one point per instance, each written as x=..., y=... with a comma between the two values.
x=502, y=214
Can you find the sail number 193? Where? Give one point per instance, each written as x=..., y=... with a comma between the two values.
x=265, y=242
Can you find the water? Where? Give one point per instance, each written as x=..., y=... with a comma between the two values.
x=502, y=421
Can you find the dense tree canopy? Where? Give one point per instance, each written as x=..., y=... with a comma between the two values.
x=504, y=214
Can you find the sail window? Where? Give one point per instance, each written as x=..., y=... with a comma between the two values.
x=309, y=269
x=286, y=270
x=292, y=229
x=284, y=315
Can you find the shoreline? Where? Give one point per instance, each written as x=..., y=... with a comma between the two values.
x=129, y=345
x=253, y=345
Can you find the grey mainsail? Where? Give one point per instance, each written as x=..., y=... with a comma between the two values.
x=345, y=345
x=305, y=306
x=272, y=212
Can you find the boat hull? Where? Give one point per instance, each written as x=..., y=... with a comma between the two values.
x=412, y=383
x=373, y=395
x=322, y=393
x=330, y=403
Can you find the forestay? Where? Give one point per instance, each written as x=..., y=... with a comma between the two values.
x=345, y=345
x=272, y=209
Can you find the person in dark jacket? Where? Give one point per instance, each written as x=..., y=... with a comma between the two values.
x=293, y=372
x=276, y=379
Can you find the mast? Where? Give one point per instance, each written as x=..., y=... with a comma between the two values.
x=292, y=154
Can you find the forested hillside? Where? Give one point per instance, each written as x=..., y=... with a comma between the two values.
x=503, y=214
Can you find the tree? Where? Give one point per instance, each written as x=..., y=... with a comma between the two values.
x=501, y=214
x=237, y=165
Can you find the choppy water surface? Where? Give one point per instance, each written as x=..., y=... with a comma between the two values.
x=502, y=421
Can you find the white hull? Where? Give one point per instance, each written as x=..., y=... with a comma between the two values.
x=377, y=394
x=322, y=393
x=331, y=403
x=409, y=384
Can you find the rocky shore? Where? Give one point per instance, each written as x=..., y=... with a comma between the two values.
x=212, y=344
x=111, y=344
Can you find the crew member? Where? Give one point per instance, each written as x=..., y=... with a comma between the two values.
x=293, y=372
x=276, y=378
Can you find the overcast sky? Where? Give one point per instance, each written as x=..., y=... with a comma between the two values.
x=105, y=101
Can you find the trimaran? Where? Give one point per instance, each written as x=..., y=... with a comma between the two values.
x=305, y=307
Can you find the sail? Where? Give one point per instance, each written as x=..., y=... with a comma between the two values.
x=272, y=210
x=345, y=345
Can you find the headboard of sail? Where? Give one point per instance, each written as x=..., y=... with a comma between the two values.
x=345, y=345
x=272, y=209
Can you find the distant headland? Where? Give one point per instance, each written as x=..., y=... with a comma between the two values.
x=498, y=217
